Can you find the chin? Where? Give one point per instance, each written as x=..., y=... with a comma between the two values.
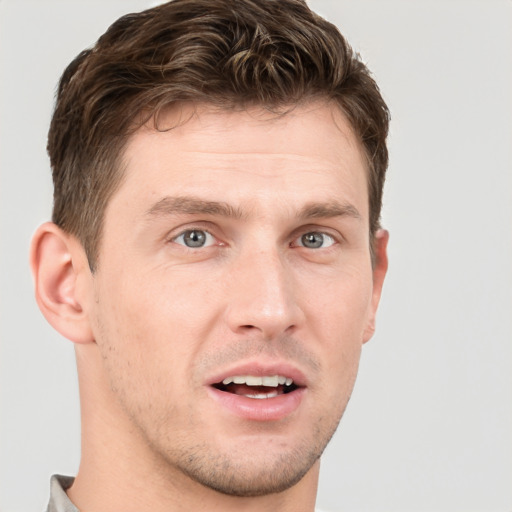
x=250, y=477
x=249, y=469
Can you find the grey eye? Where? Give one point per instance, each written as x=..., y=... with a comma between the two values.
x=315, y=240
x=194, y=238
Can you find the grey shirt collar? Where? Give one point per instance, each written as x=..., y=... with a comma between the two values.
x=59, y=501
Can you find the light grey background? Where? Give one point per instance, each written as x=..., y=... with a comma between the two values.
x=429, y=427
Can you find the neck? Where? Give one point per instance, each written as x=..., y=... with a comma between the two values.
x=120, y=471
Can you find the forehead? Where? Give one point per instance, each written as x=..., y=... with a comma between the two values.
x=247, y=154
x=313, y=125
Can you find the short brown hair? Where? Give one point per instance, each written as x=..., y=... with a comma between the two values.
x=228, y=53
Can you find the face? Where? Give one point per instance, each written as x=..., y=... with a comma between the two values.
x=234, y=291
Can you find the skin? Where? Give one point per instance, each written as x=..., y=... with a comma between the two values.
x=158, y=320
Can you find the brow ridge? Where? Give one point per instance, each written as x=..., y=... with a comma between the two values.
x=330, y=209
x=189, y=205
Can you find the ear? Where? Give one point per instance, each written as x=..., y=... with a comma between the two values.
x=59, y=267
x=379, y=273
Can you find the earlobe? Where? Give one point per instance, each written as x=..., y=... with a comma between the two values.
x=57, y=260
x=379, y=273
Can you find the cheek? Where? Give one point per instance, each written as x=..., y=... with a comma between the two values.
x=153, y=322
x=135, y=340
x=339, y=317
x=339, y=306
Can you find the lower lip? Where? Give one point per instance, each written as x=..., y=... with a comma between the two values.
x=265, y=409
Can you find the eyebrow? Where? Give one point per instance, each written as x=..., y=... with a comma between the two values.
x=187, y=205
x=329, y=210
x=191, y=206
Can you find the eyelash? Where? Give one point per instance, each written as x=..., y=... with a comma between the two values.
x=323, y=235
x=296, y=242
x=191, y=230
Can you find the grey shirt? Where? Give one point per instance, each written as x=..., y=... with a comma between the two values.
x=59, y=501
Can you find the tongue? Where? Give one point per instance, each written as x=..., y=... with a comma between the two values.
x=243, y=389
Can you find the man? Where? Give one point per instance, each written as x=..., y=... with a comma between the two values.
x=215, y=252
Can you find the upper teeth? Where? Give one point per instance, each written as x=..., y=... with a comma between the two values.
x=251, y=380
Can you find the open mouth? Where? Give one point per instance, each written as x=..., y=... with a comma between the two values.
x=251, y=386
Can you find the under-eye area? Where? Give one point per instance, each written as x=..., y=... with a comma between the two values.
x=257, y=387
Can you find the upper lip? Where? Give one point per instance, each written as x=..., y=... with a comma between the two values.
x=259, y=369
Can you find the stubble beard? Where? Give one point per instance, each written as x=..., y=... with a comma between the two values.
x=241, y=473
x=244, y=478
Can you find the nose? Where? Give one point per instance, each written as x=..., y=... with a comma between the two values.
x=263, y=296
